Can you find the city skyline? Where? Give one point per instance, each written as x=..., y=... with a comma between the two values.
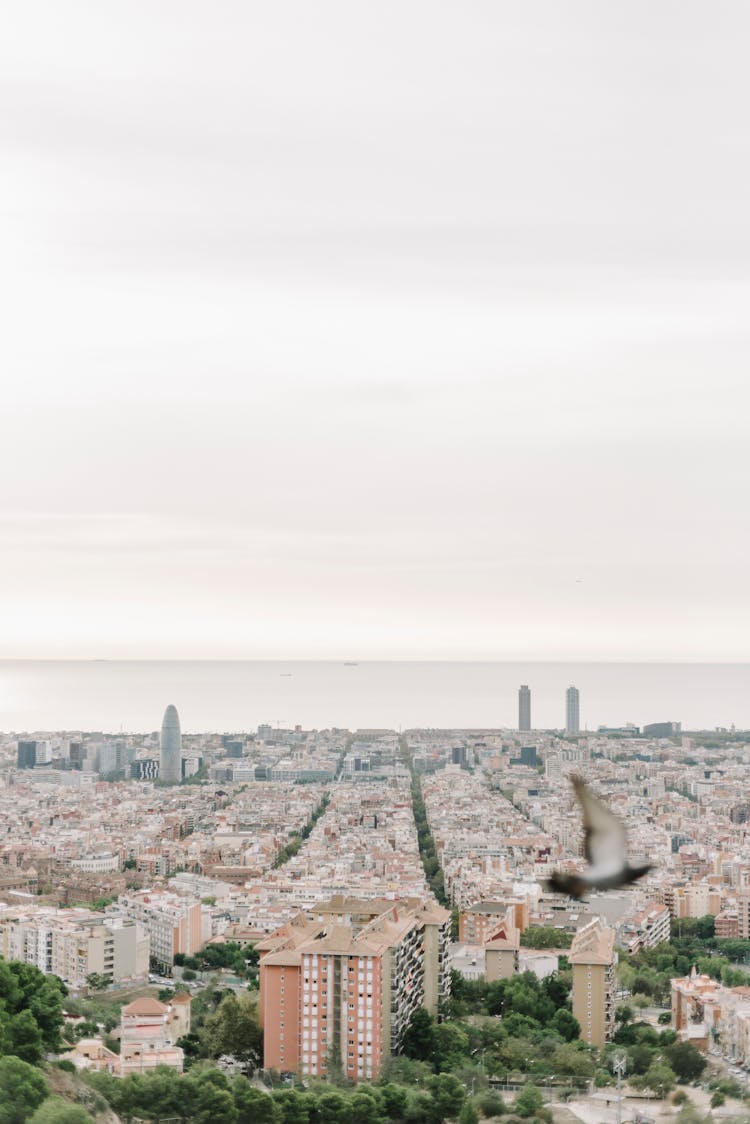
x=351, y=336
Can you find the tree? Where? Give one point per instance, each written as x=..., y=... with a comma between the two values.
x=706, y=927
x=22, y=1090
x=659, y=1077
x=334, y=1107
x=545, y=936
x=419, y=1039
x=468, y=1114
x=364, y=1108
x=448, y=1095
x=97, y=981
x=253, y=1106
x=528, y=1101
x=25, y=1037
x=234, y=1029
x=490, y=1103
x=451, y=1045
x=57, y=1111
x=293, y=1109
x=566, y=1025
x=394, y=1100
x=24, y=992
x=687, y=1062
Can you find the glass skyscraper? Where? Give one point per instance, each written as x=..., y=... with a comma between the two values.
x=170, y=747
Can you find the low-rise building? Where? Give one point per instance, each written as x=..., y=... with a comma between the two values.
x=149, y=1031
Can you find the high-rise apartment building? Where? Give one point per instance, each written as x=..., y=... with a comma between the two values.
x=593, y=959
x=170, y=747
x=572, y=711
x=338, y=987
x=524, y=708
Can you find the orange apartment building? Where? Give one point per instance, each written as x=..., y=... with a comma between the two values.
x=338, y=986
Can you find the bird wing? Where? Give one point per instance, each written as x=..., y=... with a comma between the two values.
x=605, y=840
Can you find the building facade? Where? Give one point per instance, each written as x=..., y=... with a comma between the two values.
x=173, y=923
x=593, y=959
x=76, y=943
x=170, y=747
x=572, y=711
x=338, y=987
x=149, y=1031
x=524, y=709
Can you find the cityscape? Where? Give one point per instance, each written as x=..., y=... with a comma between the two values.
x=362, y=881
x=374, y=616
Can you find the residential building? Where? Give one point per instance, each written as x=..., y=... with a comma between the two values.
x=501, y=952
x=173, y=922
x=593, y=958
x=646, y=929
x=75, y=943
x=478, y=922
x=338, y=987
x=149, y=1031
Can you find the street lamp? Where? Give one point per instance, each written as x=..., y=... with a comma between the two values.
x=619, y=1068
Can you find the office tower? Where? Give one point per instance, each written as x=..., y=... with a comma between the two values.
x=572, y=711
x=170, y=747
x=26, y=755
x=592, y=957
x=524, y=708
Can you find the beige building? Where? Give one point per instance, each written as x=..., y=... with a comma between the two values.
x=593, y=958
x=75, y=943
x=501, y=952
x=173, y=922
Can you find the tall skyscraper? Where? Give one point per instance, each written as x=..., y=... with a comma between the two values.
x=170, y=747
x=524, y=708
x=572, y=711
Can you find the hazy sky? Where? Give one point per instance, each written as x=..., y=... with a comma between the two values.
x=381, y=330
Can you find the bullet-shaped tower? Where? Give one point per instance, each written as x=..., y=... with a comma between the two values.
x=170, y=747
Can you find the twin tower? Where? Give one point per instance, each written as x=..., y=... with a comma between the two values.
x=572, y=710
x=170, y=747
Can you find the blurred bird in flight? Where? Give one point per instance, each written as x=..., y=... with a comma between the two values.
x=604, y=845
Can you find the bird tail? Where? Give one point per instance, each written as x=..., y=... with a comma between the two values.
x=571, y=884
x=636, y=872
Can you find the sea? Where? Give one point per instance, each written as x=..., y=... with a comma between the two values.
x=130, y=696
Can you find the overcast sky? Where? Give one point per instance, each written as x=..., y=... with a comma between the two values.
x=380, y=330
